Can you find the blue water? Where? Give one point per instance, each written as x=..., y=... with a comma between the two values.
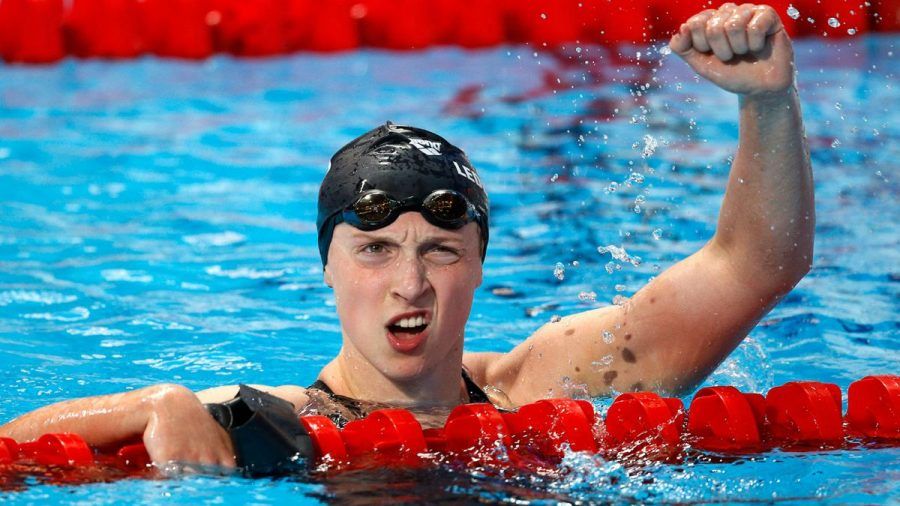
x=157, y=225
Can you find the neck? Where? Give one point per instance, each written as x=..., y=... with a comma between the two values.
x=350, y=374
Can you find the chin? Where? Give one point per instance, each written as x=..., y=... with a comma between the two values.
x=405, y=369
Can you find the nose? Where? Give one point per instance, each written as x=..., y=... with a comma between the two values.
x=411, y=279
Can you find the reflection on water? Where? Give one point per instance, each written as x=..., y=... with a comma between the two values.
x=156, y=225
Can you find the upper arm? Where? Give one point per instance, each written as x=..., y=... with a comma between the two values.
x=294, y=394
x=669, y=336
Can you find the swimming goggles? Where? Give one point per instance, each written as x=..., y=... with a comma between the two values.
x=443, y=208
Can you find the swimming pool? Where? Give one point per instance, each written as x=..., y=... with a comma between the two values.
x=157, y=224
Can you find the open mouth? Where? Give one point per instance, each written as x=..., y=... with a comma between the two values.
x=409, y=327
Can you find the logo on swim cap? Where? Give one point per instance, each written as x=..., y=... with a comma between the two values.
x=430, y=148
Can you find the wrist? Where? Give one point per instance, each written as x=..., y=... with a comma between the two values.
x=170, y=397
x=764, y=98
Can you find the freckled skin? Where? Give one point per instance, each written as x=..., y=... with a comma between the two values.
x=637, y=387
x=577, y=369
x=570, y=332
x=628, y=356
x=628, y=337
x=609, y=377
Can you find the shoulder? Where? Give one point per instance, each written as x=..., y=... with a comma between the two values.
x=477, y=365
x=294, y=394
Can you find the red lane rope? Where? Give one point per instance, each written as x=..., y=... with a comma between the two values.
x=800, y=415
x=43, y=31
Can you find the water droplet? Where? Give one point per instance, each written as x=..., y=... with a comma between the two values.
x=543, y=16
x=554, y=178
x=636, y=177
x=587, y=296
x=835, y=143
x=851, y=31
x=838, y=106
x=620, y=288
x=612, y=187
x=608, y=337
x=657, y=234
x=650, y=145
x=555, y=318
x=603, y=363
x=620, y=300
x=792, y=12
x=559, y=271
x=833, y=22
x=578, y=49
x=665, y=51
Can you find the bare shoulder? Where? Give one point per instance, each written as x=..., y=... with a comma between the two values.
x=477, y=364
x=294, y=394
x=532, y=369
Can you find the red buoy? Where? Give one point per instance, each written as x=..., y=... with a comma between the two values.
x=395, y=24
x=176, y=28
x=873, y=407
x=724, y=419
x=480, y=23
x=334, y=27
x=105, y=28
x=31, y=30
x=248, y=28
x=805, y=413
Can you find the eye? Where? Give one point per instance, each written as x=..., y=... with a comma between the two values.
x=375, y=248
x=443, y=254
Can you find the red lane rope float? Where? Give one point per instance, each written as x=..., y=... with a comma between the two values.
x=41, y=31
x=796, y=416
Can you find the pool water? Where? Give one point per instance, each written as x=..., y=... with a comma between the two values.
x=157, y=225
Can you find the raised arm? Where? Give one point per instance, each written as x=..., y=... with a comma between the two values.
x=676, y=330
x=169, y=419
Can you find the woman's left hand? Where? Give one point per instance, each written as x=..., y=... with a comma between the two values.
x=743, y=49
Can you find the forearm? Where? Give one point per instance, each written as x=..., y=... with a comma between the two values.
x=767, y=220
x=99, y=420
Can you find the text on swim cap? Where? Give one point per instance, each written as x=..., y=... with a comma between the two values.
x=431, y=148
x=468, y=173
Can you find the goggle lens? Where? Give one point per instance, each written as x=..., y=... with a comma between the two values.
x=374, y=208
x=447, y=206
x=377, y=209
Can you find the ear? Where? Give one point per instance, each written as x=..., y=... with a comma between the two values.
x=329, y=280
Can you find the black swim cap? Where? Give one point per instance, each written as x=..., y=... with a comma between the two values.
x=403, y=161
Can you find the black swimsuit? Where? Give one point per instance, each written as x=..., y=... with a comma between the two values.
x=476, y=394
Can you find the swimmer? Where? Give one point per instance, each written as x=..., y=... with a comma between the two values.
x=403, y=230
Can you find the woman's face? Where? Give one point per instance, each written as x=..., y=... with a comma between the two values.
x=404, y=292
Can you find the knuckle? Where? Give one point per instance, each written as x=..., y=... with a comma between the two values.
x=734, y=26
x=716, y=30
x=696, y=24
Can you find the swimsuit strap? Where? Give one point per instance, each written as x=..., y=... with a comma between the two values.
x=351, y=404
x=475, y=393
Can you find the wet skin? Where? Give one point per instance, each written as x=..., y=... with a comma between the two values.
x=678, y=328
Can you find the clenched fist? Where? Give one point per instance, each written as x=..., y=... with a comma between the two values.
x=741, y=48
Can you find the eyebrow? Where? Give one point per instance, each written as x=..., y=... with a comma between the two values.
x=359, y=235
